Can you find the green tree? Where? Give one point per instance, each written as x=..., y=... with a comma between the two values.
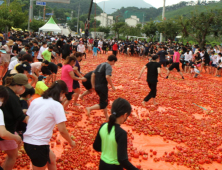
x=106, y=30
x=150, y=29
x=117, y=26
x=200, y=25
x=12, y=15
x=169, y=28
x=36, y=24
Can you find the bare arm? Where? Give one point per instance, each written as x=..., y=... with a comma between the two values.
x=4, y=134
x=63, y=131
x=71, y=73
x=159, y=71
x=93, y=80
x=26, y=119
x=141, y=72
x=108, y=78
x=77, y=72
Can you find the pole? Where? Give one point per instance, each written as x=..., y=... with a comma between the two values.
x=8, y=3
x=78, y=20
x=39, y=14
x=30, y=14
x=95, y=17
x=163, y=17
x=44, y=14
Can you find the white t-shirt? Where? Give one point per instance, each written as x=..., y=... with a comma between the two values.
x=81, y=48
x=12, y=64
x=214, y=59
x=219, y=59
x=43, y=114
x=40, y=52
x=2, y=122
x=36, y=66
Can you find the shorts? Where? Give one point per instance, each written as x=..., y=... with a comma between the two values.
x=45, y=70
x=87, y=85
x=214, y=65
x=40, y=60
x=218, y=68
x=75, y=84
x=163, y=63
x=54, y=69
x=176, y=66
x=39, y=155
x=6, y=145
x=102, y=91
x=94, y=54
x=207, y=63
x=69, y=95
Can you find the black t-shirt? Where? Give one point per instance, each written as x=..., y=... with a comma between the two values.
x=12, y=111
x=16, y=48
x=53, y=67
x=101, y=72
x=198, y=59
x=162, y=55
x=152, y=72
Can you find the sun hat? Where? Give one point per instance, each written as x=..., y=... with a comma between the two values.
x=10, y=43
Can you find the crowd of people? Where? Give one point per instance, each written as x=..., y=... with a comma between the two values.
x=30, y=64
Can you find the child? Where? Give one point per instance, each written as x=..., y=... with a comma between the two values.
x=196, y=71
x=24, y=99
x=95, y=50
x=214, y=62
x=219, y=65
x=111, y=139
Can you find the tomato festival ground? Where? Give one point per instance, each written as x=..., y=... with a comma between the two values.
x=183, y=132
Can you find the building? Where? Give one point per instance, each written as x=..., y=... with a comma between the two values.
x=105, y=20
x=132, y=21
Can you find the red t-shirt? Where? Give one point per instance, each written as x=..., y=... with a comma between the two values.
x=115, y=47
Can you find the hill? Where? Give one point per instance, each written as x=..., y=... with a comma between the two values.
x=186, y=10
x=117, y=4
x=74, y=4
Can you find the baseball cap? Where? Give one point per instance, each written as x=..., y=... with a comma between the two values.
x=40, y=78
x=21, y=79
x=26, y=66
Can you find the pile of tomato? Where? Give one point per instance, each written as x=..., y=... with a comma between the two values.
x=189, y=114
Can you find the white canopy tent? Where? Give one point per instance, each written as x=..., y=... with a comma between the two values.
x=50, y=26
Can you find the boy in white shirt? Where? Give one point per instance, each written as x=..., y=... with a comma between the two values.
x=219, y=65
x=214, y=62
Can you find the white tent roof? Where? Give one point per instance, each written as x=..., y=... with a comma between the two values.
x=50, y=26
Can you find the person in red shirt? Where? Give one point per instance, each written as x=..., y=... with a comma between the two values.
x=176, y=64
x=115, y=48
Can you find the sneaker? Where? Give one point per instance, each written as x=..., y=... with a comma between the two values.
x=166, y=77
x=182, y=77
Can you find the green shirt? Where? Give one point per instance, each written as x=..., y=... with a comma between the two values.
x=47, y=55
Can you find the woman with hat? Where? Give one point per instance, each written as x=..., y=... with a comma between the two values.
x=13, y=114
x=6, y=57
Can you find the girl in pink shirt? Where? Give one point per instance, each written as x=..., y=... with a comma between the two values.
x=176, y=64
x=68, y=76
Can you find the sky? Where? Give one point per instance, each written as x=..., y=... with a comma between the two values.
x=159, y=3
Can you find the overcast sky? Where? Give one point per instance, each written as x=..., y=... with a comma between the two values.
x=158, y=3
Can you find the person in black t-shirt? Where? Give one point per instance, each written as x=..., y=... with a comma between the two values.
x=162, y=54
x=100, y=79
x=153, y=69
x=87, y=85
